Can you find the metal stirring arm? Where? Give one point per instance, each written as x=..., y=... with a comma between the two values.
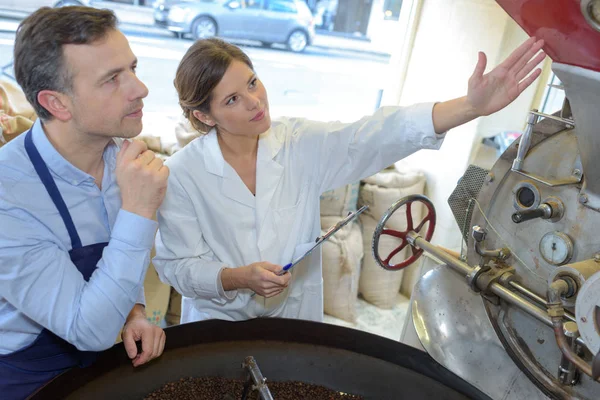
x=256, y=378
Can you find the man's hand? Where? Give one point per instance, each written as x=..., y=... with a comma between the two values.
x=142, y=178
x=137, y=327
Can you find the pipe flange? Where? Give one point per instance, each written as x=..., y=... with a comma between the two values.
x=474, y=275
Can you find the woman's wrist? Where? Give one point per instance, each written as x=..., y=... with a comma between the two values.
x=453, y=113
x=233, y=278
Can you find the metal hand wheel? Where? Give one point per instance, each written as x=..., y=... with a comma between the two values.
x=410, y=226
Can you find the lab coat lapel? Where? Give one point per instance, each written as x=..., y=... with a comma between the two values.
x=232, y=185
x=268, y=174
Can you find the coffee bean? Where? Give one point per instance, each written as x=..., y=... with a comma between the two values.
x=217, y=388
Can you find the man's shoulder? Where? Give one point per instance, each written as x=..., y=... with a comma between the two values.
x=14, y=162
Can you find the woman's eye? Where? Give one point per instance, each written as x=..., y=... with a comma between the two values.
x=231, y=100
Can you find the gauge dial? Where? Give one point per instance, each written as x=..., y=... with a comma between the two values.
x=556, y=248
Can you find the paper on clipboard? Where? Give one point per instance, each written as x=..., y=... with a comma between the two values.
x=320, y=240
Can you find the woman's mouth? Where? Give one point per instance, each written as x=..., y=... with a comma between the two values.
x=259, y=116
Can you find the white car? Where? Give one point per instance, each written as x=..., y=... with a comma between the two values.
x=28, y=6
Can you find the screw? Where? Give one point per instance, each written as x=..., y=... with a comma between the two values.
x=583, y=199
x=490, y=177
x=577, y=172
x=583, y=319
x=597, y=257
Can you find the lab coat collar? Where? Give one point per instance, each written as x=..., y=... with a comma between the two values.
x=268, y=147
x=268, y=171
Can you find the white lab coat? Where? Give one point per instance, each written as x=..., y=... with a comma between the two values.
x=210, y=220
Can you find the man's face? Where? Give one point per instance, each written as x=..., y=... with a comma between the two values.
x=106, y=98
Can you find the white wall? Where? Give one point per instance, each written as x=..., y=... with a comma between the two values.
x=447, y=36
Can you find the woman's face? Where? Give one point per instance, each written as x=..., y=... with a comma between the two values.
x=239, y=103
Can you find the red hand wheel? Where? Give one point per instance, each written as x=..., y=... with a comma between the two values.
x=410, y=226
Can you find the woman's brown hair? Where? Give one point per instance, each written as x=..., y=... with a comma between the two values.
x=200, y=71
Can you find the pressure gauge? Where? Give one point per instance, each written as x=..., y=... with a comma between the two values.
x=556, y=248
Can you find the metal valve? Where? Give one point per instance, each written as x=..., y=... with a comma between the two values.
x=551, y=209
x=544, y=211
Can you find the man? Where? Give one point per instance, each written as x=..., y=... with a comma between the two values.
x=76, y=210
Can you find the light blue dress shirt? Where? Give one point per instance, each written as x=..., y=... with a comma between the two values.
x=39, y=285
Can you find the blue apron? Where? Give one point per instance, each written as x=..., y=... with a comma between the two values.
x=27, y=369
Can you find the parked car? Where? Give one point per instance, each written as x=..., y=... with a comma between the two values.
x=28, y=6
x=269, y=21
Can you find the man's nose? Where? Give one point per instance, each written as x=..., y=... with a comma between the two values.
x=139, y=89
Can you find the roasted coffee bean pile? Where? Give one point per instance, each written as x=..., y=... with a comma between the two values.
x=228, y=389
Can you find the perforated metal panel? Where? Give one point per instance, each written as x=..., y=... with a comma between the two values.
x=462, y=199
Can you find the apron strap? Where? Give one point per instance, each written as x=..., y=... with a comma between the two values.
x=52, y=189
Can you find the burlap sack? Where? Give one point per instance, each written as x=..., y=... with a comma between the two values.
x=342, y=255
x=157, y=295
x=185, y=132
x=340, y=201
x=174, y=310
x=16, y=114
x=378, y=286
x=158, y=133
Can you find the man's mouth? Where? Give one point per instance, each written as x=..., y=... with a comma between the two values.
x=136, y=113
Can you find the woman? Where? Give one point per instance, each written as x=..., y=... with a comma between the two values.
x=243, y=198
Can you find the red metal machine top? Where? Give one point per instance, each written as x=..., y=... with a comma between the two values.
x=569, y=37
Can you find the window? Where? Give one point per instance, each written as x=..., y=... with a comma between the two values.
x=282, y=6
x=252, y=4
x=391, y=9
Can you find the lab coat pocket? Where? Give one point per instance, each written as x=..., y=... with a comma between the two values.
x=286, y=216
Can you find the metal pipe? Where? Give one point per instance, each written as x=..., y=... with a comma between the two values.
x=568, y=374
x=557, y=289
x=502, y=253
x=566, y=121
x=464, y=269
x=415, y=240
x=525, y=141
x=520, y=302
x=523, y=290
x=565, y=348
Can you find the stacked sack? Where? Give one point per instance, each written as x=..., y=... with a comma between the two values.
x=342, y=253
x=378, y=286
x=16, y=114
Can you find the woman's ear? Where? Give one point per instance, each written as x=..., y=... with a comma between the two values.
x=204, y=118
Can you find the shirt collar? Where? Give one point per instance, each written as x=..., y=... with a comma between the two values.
x=59, y=165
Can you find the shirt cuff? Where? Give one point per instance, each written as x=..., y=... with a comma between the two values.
x=134, y=229
x=141, y=298
x=421, y=117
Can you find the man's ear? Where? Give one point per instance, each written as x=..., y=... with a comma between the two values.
x=57, y=104
x=204, y=118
